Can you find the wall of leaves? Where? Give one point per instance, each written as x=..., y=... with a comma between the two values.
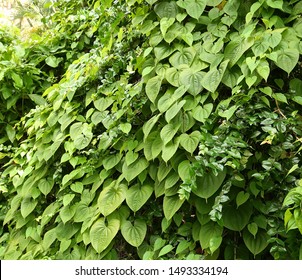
x=154, y=130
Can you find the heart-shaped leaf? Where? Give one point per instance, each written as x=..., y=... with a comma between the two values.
x=135, y=233
x=237, y=218
x=111, y=198
x=255, y=244
x=208, y=184
x=137, y=196
x=172, y=205
x=103, y=231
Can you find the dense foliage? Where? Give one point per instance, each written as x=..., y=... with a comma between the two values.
x=153, y=130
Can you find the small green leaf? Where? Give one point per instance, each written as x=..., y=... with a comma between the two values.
x=263, y=69
x=170, y=149
x=173, y=110
x=165, y=23
x=252, y=228
x=166, y=9
x=241, y=198
x=193, y=79
x=45, y=185
x=103, y=103
x=38, y=99
x=18, y=81
x=67, y=213
x=184, y=56
x=53, y=61
x=184, y=170
x=67, y=198
x=280, y=97
x=215, y=242
x=235, y=49
x=147, y=127
x=293, y=168
x=81, y=134
x=125, y=127
x=49, y=238
x=77, y=187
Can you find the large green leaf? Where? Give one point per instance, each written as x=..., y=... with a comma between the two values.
x=49, y=238
x=45, y=185
x=170, y=149
x=152, y=88
x=103, y=231
x=208, y=184
x=237, y=218
x=147, y=127
x=184, y=170
x=173, y=110
x=53, y=61
x=213, y=78
x=171, y=205
x=172, y=76
x=168, y=132
x=166, y=9
x=137, y=196
x=193, y=79
x=11, y=132
x=28, y=204
x=256, y=244
x=287, y=59
x=165, y=23
x=156, y=146
x=183, y=56
x=134, y=233
x=202, y=113
x=81, y=134
x=111, y=197
x=235, y=49
x=190, y=142
x=163, y=51
x=263, y=69
x=208, y=234
x=194, y=8
x=67, y=213
x=135, y=168
x=103, y=103
x=112, y=160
